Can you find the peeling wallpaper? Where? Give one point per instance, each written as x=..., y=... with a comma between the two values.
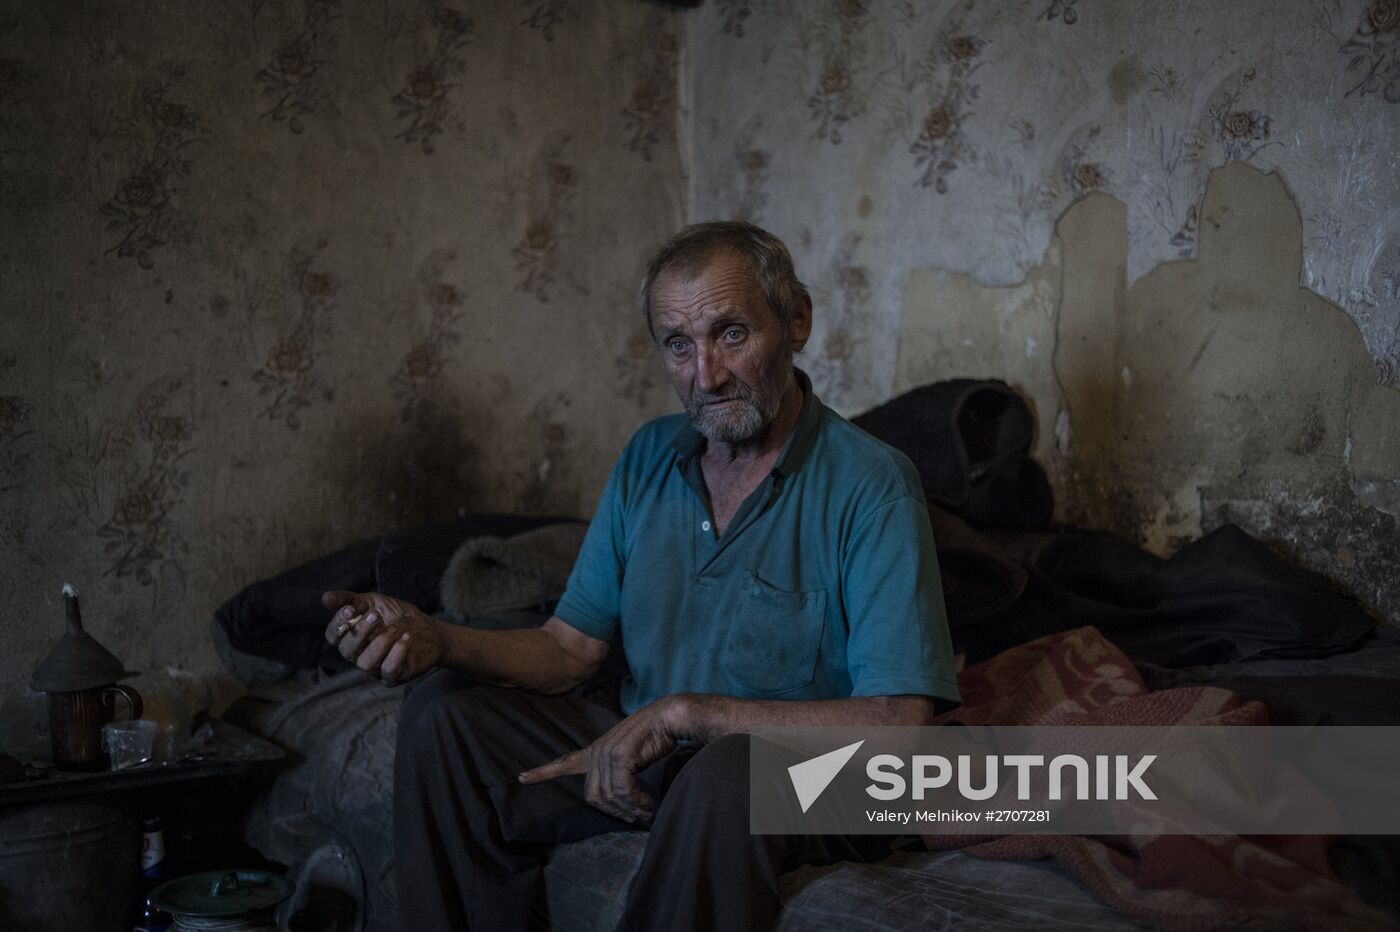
x=883, y=135
x=1208, y=391
x=282, y=275
x=1023, y=190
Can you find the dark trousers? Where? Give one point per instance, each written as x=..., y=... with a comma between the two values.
x=470, y=840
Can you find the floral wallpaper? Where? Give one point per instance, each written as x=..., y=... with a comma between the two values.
x=290, y=273
x=972, y=126
x=926, y=161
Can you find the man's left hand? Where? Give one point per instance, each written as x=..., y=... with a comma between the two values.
x=387, y=638
x=611, y=763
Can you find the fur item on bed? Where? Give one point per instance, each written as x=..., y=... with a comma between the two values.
x=493, y=576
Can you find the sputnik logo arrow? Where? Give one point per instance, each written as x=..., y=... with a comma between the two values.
x=811, y=777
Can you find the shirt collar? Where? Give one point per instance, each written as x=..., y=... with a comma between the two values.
x=689, y=442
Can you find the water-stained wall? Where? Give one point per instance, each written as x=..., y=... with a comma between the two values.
x=1211, y=390
x=278, y=276
x=1037, y=190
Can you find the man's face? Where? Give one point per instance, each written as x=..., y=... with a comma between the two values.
x=729, y=358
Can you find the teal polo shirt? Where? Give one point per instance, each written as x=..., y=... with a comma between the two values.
x=824, y=585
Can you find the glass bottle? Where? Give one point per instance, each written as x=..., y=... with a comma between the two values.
x=152, y=875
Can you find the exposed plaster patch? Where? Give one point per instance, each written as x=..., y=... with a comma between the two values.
x=1241, y=381
x=1349, y=539
x=1382, y=496
x=1176, y=521
x=1062, y=432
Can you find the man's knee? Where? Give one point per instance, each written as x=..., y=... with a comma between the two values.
x=432, y=703
x=718, y=774
x=724, y=754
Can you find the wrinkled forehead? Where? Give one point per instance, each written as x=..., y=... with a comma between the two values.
x=723, y=285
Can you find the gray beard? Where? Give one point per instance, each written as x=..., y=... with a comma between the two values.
x=755, y=410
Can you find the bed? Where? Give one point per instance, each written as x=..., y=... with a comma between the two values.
x=1225, y=616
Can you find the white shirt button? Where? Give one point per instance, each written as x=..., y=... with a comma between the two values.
x=705, y=526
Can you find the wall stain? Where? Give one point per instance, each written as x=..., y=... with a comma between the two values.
x=1126, y=79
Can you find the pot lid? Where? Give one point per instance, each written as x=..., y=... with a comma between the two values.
x=77, y=661
x=222, y=893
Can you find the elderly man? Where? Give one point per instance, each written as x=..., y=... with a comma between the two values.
x=763, y=561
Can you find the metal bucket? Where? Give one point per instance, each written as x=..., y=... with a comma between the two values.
x=69, y=865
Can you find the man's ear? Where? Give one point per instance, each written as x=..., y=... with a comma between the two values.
x=800, y=327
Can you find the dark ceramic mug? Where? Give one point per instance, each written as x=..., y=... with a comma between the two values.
x=76, y=720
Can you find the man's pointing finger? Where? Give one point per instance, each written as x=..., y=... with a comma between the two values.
x=570, y=763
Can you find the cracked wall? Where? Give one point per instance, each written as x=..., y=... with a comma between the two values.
x=1212, y=390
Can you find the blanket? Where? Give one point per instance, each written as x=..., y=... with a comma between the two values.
x=1171, y=882
x=275, y=627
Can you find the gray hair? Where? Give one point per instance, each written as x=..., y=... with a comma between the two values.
x=690, y=250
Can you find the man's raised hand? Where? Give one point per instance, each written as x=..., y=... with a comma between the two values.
x=387, y=638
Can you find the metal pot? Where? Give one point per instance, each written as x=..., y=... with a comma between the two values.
x=227, y=901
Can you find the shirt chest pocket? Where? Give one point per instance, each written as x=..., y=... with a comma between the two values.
x=774, y=639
